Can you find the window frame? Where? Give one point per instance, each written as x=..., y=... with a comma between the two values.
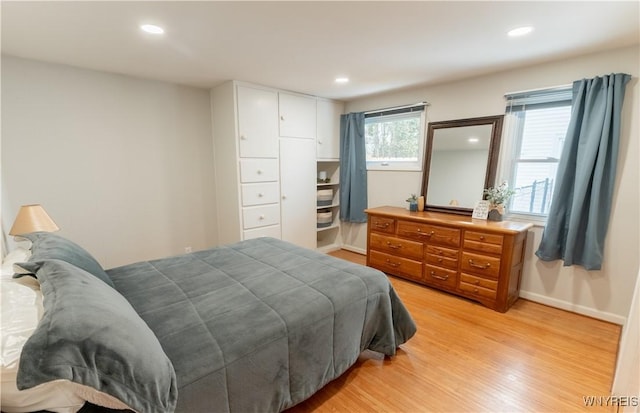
x=517, y=105
x=415, y=166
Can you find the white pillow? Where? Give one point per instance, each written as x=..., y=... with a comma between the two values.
x=20, y=312
x=18, y=255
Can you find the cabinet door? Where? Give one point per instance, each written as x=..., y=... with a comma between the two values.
x=328, y=135
x=297, y=116
x=298, y=191
x=257, y=123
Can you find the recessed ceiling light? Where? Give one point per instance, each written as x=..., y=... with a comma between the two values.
x=151, y=28
x=473, y=140
x=520, y=31
x=342, y=79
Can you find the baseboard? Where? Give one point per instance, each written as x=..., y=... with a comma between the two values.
x=574, y=308
x=354, y=249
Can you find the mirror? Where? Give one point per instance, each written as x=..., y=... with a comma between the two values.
x=460, y=162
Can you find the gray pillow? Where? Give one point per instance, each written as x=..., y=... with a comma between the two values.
x=90, y=334
x=47, y=245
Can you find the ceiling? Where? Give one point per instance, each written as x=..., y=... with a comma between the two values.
x=303, y=46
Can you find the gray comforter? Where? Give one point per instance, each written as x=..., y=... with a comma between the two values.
x=261, y=325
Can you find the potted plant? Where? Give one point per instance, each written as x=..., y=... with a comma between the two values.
x=498, y=198
x=413, y=202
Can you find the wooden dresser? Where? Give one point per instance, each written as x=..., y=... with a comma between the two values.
x=478, y=259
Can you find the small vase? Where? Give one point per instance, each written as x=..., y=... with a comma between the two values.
x=421, y=204
x=494, y=215
x=413, y=206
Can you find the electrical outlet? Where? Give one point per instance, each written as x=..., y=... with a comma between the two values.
x=187, y=250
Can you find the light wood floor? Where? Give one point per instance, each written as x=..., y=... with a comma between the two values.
x=467, y=358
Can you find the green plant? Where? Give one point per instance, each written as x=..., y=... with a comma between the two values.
x=413, y=199
x=499, y=195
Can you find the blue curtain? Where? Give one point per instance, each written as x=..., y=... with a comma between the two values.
x=581, y=203
x=353, y=168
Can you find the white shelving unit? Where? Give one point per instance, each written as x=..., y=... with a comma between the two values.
x=329, y=238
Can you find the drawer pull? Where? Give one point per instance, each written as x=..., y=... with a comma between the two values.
x=395, y=247
x=481, y=266
x=475, y=290
x=259, y=171
x=439, y=259
x=438, y=277
x=261, y=217
x=260, y=195
x=428, y=234
x=393, y=264
x=481, y=237
x=382, y=226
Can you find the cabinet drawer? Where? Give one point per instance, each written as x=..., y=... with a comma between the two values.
x=261, y=193
x=396, y=246
x=480, y=264
x=260, y=216
x=479, y=281
x=440, y=277
x=432, y=234
x=395, y=265
x=442, y=261
x=477, y=290
x=483, y=242
x=380, y=224
x=258, y=170
x=271, y=231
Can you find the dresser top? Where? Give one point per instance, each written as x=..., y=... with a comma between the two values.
x=449, y=219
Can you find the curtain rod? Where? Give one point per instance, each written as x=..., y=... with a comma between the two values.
x=397, y=107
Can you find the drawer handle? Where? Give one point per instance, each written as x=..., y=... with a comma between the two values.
x=382, y=226
x=481, y=266
x=260, y=195
x=428, y=234
x=259, y=171
x=481, y=237
x=439, y=259
x=395, y=247
x=438, y=277
x=242, y=137
x=475, y=290
x=393, y=264
x=261, y=217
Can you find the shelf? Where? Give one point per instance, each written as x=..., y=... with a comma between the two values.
x=332, y=226
x=328, y=184
x=328, y=206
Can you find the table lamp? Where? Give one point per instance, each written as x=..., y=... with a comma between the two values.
x=32, y=218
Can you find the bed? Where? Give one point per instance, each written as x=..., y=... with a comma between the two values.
x=256, y=326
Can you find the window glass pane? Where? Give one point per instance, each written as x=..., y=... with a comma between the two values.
x=534, y=184
x=544, y=132
x=393, y=138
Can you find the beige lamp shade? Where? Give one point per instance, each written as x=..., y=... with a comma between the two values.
x=32, y=218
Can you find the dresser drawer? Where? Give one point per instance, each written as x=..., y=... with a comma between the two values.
x=258, y=170
x=483, y=242
x=381, y=224
x=443, y=257
x=479, y=281
x=477, y=290
x=396, y=265
x=431, y=234
x=396, y=246
x=260, y=216
x=261, y=193
x=440, y=277
x=480, y=264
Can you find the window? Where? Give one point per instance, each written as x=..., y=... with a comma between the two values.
x=394, y=139
x=538, y=123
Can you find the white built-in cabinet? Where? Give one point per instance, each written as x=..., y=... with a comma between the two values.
x=328, y=129
x=265, y=153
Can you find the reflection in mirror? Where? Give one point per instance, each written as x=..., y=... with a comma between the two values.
x=460, y=162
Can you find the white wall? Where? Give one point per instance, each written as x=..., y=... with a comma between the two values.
x=123, y=165
x=604, y=294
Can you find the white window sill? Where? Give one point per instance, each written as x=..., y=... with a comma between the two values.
x=536, y=220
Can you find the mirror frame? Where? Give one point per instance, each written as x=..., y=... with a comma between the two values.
x=492, y=159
